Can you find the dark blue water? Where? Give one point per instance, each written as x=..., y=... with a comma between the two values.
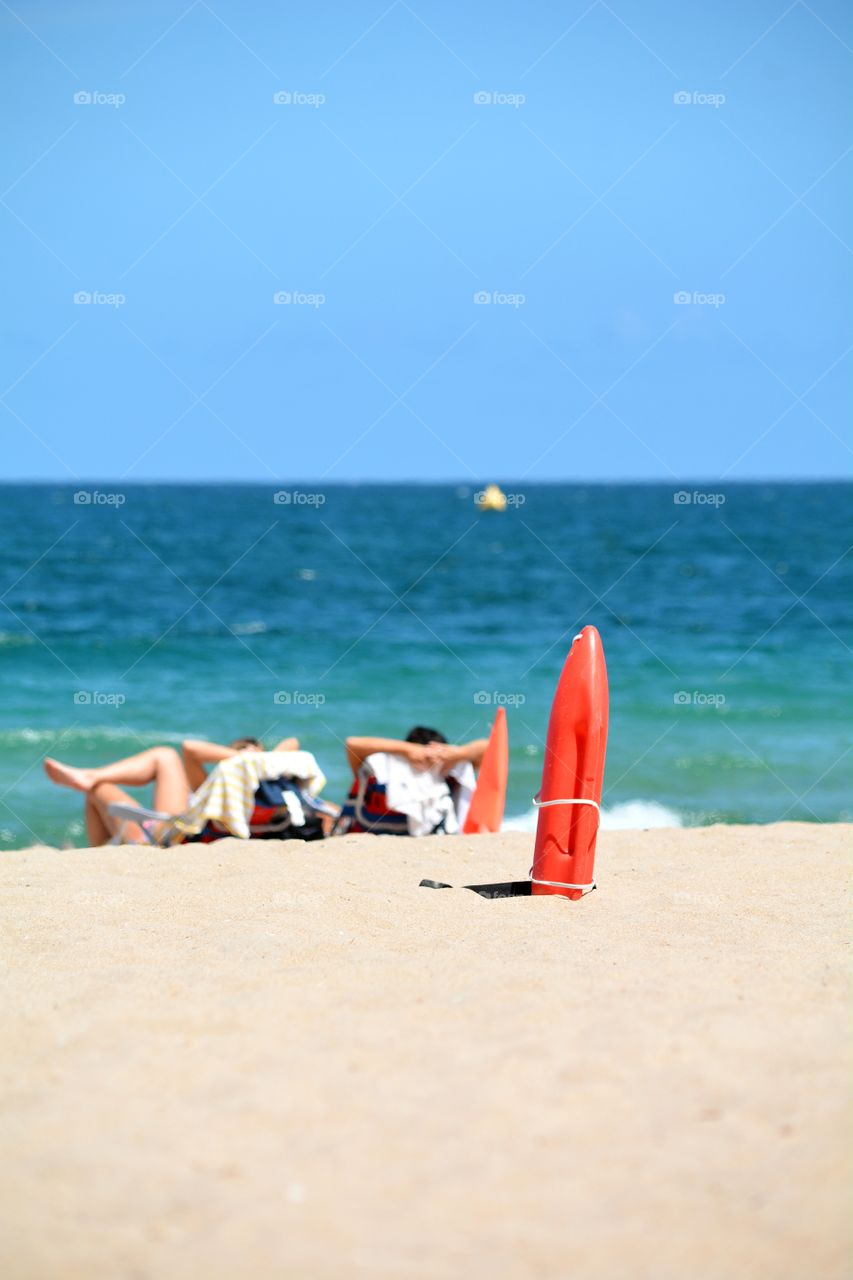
x=152, y=613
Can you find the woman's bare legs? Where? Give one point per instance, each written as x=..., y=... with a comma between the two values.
x=160, y=765
x=100, y=825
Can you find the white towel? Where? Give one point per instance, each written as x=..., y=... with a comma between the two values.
x=467, y=779
x=423, y=795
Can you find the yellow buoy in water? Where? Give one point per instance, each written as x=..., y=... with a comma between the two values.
x=492, y=498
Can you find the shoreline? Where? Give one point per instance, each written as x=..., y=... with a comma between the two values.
x=283, y=1059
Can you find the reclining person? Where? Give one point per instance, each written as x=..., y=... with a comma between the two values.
x=175, y=778
x=420, y=785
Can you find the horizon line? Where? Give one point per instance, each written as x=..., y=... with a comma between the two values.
x=411, y=480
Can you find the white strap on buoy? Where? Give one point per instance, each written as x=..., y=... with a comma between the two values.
x=546, y=804
x=558, y=884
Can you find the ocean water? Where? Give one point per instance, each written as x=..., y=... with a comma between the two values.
x=145, y=614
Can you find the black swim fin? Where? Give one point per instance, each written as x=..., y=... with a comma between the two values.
x=507, y=889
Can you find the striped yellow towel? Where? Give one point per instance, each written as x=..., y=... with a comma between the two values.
x=228, y=795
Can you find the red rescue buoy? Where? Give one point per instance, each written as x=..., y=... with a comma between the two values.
x=573, y=773
x=486, y=812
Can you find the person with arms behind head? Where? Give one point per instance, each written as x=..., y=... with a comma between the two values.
x=417, y=785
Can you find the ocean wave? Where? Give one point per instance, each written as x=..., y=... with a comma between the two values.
x=248, y=628
x=93, y=734
x=630, y=815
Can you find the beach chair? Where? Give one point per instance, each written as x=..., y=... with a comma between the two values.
x=367, y=808
x=284, y=806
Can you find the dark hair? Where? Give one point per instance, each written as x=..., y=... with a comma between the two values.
x=422, y=735
x=239, y=743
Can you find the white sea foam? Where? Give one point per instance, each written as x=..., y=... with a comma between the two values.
x=643, y=815
x=253, y=628
x=86, y=734
x=630, y=815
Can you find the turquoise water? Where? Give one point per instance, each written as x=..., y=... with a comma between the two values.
x=153, y=613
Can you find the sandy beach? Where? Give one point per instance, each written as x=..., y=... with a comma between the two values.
x=275, y=1060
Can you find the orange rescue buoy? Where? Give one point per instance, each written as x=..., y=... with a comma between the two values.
x=487, y=804
x=570, y=796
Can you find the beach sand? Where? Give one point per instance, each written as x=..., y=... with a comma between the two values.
x=275, y=1060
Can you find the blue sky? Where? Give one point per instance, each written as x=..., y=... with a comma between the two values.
x=578, y=195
